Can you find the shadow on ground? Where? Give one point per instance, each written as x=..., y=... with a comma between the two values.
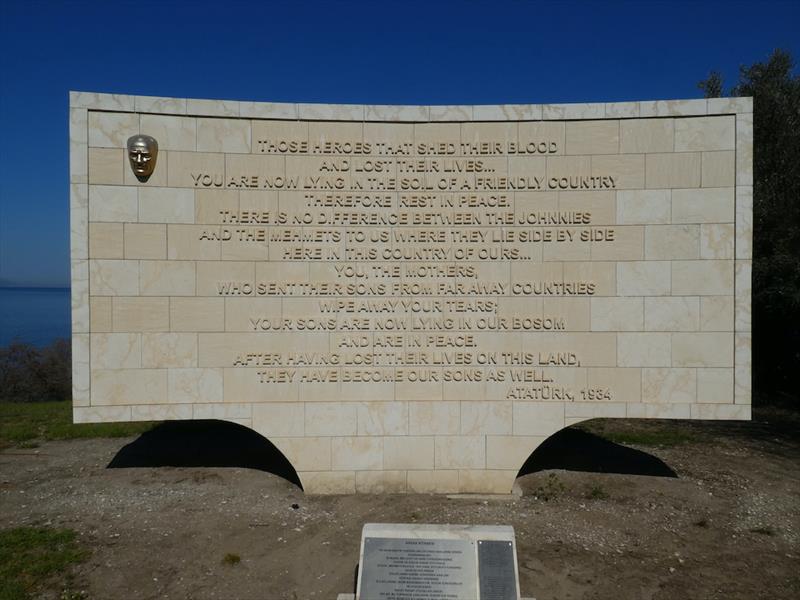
x=576, y=450
x=204, y=444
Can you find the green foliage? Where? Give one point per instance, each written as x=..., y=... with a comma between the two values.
x=231, y=559
x=30, y=374
x=29, y=556
x=775, y=89
x=23, y=422
x=597, y=492
x=712, y=87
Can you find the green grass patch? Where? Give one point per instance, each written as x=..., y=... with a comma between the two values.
x=231, y=559
x=23, y=422
x=640, y=433
x=30, y=556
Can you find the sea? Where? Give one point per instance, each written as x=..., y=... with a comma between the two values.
x=34, y=315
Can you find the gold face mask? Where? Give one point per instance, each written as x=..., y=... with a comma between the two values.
x=142, y=153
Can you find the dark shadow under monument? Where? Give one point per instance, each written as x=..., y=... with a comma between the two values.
x=204, y=444
x=577, y=450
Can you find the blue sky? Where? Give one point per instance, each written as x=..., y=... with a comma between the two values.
x=376, y=52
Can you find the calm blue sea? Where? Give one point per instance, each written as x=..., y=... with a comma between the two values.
x=34, y=315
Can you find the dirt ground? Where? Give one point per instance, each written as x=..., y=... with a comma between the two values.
x=728, y=527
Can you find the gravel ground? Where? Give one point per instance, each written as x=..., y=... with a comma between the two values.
x=728, y=527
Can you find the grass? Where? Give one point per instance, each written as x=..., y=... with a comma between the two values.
x=30, y=556
x=641, y=433
x=597, y=492
x=231, y=559
x=23, y=424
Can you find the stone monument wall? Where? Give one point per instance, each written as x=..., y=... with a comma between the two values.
x=410, y=298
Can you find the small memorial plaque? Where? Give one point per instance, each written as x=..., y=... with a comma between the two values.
x=496, y=570
x=400, y=568
x=437, y=562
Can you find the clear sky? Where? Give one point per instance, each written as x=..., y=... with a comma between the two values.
x=371, y=52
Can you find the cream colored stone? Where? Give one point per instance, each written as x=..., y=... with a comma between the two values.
x=716, y=313
x=344, y=112
x=223, y=135
x=628, y=244
x=197, y=314
x=603, y=274
x=672, y=108
x=715, y=385
x=646, y=278
x=672, y=242
x=140, y=314
x=228, y=412
x=601, y=205
x=593, y=137
x=81, y=369
x=507, y=112
x=331, y=418
x=215, y=108
x=509, y=452
x=538, y=418
x=716, y=241
x=744, y=292
x=533, y=133
x=116, y=350
x=721, y=411
x=730, y=105
x=78, y=148
x=248, y=314
x=434, y=418
x=114, y=277
x=329, y=483
x=111, y=130
x=624, y=384
x=408, y=452
x=628, y=170
x=268, y=110
x=673, y=170
x=212, y=276
x=167, y=278
x=166, y=205
x=644, y=350
x=595, y=410
x=100, y=310
x=161, y=412
x=622, y=109
x=744, y=222
x=681, y=313
x=705, y=134
x=702, y=277
x=719, y=169
x=646, y=136
x=106, y=240
x=485, y=481
x=702, y=349
x=744, y=149
x=169, y=350
x=148, y=241
x=305, y=453
x=380, y=482
x=113, y=203
x=105, y=165
x=460, y=452
x=356, y=453
x=617, y=314
x=669, y=385
x=157, y=104
x=187, y=385
x=450, y=113
x=658, y=411
x=708, y=205
x=193, y=242
x=128, y=386
x=568, y=166
x=576, y=311
x=210, y=206
x=644, y=206
x=382, y=418
x=743, y=377
x=101, y=101
x=482, y=418
x=281, y=419
x=100, y=414
x=434, y=133
x=552, y=112
x=189, y=170
x=79, y=292
x=432, y=482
